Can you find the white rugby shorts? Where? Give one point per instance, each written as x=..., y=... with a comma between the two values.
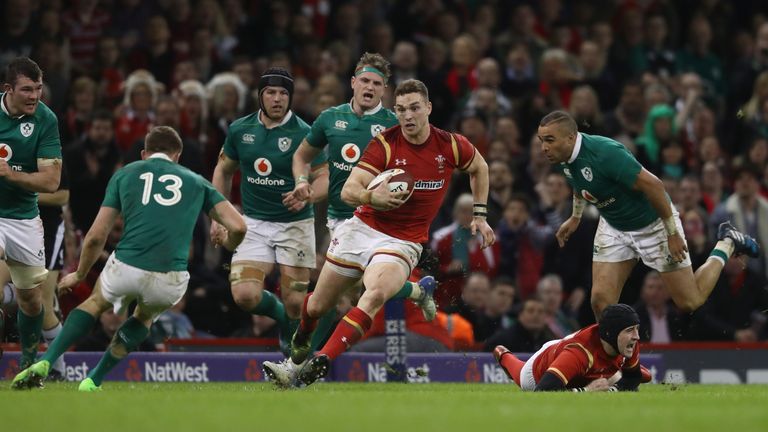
x=355, y=245
x=22, y=241
x=287, y=243
x=648, y=244
x=155, y=291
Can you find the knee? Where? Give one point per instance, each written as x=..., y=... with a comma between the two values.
x=246, y=296
x=317, y=306
x=374, y=298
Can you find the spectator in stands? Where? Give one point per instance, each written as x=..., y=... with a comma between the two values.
x=474, y=297
x=155, y=52
x=655, y=54
x=660, y=322
x=173, y=324
x=696, y=229
x=698, y=57
x=522, y=242
x=550, y=291
x=628, y=118
x=501, y=188
x=135, y=114
x=405, y=62
x=495, y=316
x=109, y=71
x=747, y=211
x=78, y=115
x=194, y=113
x=90, y=164
x=568, y=262
x=459, y=252
x=462, y=77
x=712, y=189
x=528, y=334
x=659, y=130
x=585, y=109
x=84, y=22
x=226, y=95
x=593, y=72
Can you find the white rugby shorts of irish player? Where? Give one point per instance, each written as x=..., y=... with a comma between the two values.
x=527, y=381
x=648, y=244
x=155, y=291
x=22, y=241
x=354, y=246
x=287, y=243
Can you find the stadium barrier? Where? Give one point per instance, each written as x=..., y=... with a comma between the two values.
x=231, y=366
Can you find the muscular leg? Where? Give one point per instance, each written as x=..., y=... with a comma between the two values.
x=294, y=282
x=382, y=281
x=608, y=280
x=28, y=281
x=328, y=290
x=690, y=290
x=127, y=338
x=51, y=325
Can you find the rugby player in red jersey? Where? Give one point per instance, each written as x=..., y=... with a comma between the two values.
x=380, y=244
x=600, y=357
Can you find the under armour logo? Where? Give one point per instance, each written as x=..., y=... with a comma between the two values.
x=346, y=342
x=399, y=162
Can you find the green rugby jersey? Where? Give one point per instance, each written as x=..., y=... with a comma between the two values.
x=603, y=173
x=347, y=135
x=24, y=140
x=160, y=201
x=266, y=165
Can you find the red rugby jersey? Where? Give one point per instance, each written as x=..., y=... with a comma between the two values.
x=579, y=359
x=431, y=165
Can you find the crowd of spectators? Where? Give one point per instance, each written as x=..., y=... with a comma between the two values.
x=682, y=84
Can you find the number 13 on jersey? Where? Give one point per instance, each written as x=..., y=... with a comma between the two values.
x=172, y=184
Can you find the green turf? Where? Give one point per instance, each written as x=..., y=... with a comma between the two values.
x=256, y=407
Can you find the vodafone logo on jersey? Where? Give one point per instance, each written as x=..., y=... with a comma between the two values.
x=350, y=152
x=6, y=153
x=263, y=167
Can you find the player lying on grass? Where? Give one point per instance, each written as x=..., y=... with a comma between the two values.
x=600, y=357
x=159, y=201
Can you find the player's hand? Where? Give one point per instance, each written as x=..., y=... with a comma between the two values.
x=677, y=247
x=302, y=191
x=480, y=224
x=5, y=169
x=292, y=202
x=68, y=282
x=566, y=229
x=383, y=199
x=218, y=234
x=600, y=384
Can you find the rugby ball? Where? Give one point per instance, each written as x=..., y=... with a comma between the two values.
x=399, y=181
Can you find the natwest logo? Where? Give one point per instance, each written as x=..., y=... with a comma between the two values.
x=263, y=167
x=6, y=153
x=350, y=152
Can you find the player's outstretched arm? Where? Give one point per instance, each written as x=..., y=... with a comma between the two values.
x=46, y=179
x=93, y=245
x=478, y=182
x=222, y=181
x=654, y=191
x=227, y=215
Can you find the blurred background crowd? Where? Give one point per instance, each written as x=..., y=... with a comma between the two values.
x=683, y=84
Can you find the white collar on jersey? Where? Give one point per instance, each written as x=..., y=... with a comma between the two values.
x=287, y=117
x=576, y=148
x=5, y=109
x=160, y=155
x=371, y=111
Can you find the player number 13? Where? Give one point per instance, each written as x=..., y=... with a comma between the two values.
x=174, y=188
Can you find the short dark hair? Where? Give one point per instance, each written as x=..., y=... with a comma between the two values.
x=412, y=86
x=163, y=139
x=521, y=198
x=377, y=61
x=102, y=114
x=22, y=66
x=503, y=280
x=560, y=117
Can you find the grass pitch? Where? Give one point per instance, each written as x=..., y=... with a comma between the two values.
x=257, y=407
